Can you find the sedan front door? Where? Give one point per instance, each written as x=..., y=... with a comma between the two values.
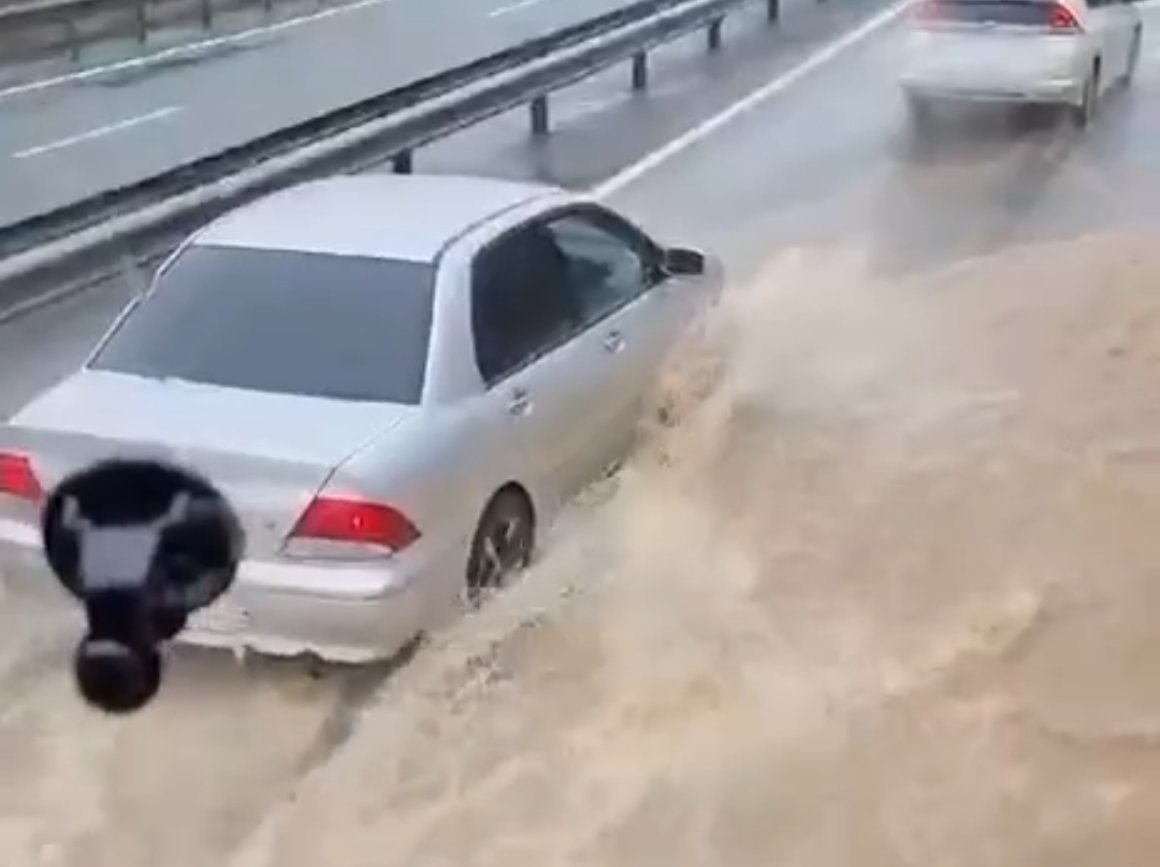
x=633, y=310
x=544, y=383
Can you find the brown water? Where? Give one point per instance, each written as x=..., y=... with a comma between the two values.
x=884, y=597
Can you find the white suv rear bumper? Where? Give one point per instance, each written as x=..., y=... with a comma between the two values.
x=1063, y=91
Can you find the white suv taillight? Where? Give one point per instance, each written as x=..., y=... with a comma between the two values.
x=927, y=12
x=1062, y=20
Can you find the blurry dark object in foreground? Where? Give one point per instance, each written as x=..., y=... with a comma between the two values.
x=142, y=546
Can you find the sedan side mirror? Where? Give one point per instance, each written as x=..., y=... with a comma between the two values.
x=684, y=262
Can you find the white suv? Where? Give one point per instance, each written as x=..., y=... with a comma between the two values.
x=1048, y=52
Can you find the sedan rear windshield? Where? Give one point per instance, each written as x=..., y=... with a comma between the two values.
x=297, y=323
x=1019, y=14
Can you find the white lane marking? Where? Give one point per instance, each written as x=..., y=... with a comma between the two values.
x=783, y=82
x=99, y=132
x=189, y=50
x=513, y=7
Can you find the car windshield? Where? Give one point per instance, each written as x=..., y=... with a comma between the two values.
x=330, y=326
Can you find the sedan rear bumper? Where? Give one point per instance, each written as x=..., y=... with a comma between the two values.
x=338, y=613
x=334, y=627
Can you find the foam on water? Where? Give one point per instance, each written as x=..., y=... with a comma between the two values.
x=878, y=594
x=786, y=629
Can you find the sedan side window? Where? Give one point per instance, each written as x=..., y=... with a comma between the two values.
x=521, y=303
x=608, y=265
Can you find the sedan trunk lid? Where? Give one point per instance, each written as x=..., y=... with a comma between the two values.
x=269, y=454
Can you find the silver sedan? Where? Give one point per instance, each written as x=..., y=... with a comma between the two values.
x=396, y=380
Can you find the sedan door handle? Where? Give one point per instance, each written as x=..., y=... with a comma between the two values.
x=614, y=342
x=520, y=402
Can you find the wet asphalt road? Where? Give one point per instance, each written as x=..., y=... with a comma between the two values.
x=89, y=132
x=81, y=137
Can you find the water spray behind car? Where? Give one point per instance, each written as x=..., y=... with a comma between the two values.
x=141, y=546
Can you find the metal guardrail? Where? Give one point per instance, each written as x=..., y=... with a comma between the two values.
x=133, y=220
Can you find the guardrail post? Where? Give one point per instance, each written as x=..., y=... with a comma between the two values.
x=640, y=71
x=403, y=162
x=74, y=39
x=142, y=21
x=540, y=121
x=715, y=34
x=773, y=9
x=206, y=14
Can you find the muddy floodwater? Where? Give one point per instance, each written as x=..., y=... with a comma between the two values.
x=884, y=592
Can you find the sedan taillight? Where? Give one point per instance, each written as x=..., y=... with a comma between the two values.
x=353, y=521
x=18, y=478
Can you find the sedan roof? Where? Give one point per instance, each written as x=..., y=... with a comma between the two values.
x=384, y=216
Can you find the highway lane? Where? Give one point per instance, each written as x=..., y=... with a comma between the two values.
x=990, y=183
x=84, y=136
x=832, y=161
x=824, y=162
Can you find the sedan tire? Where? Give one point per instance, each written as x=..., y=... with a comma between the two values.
x=502, y=546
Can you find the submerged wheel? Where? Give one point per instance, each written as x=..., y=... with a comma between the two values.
x=503, y=544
